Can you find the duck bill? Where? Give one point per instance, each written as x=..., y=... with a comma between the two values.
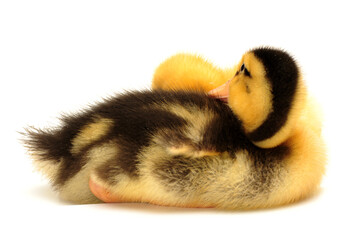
x=221, y=92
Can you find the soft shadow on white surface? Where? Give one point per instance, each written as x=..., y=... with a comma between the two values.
x=45, y=193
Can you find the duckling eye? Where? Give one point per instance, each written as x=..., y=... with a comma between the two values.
x=242, y=67
x=240, y=70
x=246, y=72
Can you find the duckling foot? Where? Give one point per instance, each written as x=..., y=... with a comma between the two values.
x=102, y=193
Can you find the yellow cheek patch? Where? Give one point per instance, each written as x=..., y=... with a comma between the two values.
x=251, y=98
x=91, y=133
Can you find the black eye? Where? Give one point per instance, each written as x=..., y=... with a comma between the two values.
x=246, y=72
x=242, y=67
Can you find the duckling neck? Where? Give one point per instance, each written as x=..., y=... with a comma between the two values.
x=277, y=128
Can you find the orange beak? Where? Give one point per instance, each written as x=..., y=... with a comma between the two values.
x=221, y=92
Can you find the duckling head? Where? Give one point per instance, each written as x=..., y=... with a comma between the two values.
x=267, y=94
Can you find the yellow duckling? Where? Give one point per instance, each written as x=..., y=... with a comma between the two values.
x=184, y=148
x=192, y=72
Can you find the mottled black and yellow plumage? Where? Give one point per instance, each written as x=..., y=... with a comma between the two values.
x=184, y=148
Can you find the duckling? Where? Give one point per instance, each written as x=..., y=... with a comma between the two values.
x=188, y=71
x=187, y=149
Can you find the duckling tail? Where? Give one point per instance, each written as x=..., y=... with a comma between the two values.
x=48, y=150
x=60, y=153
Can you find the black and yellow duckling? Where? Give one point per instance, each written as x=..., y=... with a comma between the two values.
x=192, y=72
x=184, y=148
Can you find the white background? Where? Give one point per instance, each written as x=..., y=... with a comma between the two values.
x=59, y=56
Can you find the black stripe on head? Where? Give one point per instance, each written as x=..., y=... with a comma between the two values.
x=282, y=73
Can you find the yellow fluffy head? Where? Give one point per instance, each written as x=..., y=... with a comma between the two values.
x=267, y=94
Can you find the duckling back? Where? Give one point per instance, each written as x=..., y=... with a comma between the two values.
x=110, y=137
